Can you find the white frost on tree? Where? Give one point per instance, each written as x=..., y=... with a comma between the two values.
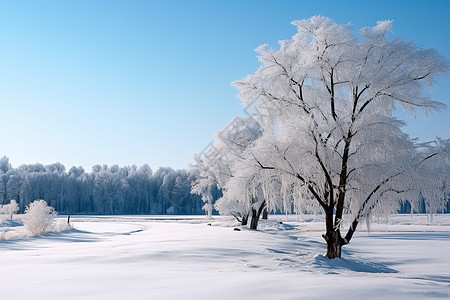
x=10, y=209
x=39, y=218
x=330, y=141
x=204, y=184
x=215, y=166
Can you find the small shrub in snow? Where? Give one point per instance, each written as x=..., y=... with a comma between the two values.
x=10, y=209
x=39, y=217
x=61, y=225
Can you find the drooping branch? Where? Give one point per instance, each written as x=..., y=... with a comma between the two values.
x=427, y=158
x=362, y=208
x=313, y=192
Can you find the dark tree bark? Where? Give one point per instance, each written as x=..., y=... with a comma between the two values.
x=333, y=236
x=255, y=218
x=265, y=214
x=334, y=245
x=256, y=214
x=244, y=220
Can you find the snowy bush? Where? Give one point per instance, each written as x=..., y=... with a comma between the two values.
x=39, y=218
x=61, y=225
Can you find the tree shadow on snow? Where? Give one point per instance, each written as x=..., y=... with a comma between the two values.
x=334, y=266
x=10, y=223
x=29, y=243
x=71, y=235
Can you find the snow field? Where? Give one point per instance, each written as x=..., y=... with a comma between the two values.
x=140, y=258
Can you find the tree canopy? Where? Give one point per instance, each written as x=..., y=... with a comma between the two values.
x=330, y=141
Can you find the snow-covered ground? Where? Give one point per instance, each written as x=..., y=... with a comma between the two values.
x=184, y=258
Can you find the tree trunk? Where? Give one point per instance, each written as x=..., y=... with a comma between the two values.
x=255, y=219
x=334, y=245
x=256, y=214
x=333, y=237
x=265, y=214
x=245, y=219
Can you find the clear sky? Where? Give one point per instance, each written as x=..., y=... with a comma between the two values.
x=86, y=82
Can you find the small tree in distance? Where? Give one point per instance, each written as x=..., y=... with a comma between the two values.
x=204, y=184
x=39, y=217
x=10, y=209
x=215, y=169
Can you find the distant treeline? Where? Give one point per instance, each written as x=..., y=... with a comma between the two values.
x=109, y=190
x=105, y=190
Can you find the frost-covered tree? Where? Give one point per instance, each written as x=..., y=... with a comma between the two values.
x=108, y=188
x=166, y=181
x=216, y=168
x=5, y=167
x=10, y=209
x=330, y=136
x=231, y=143
x=39, y=217
x=204, y=184
x=181, y=200
x=251, y=191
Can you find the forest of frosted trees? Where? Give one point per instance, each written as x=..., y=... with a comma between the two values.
x=105, y=190
x=108, y=190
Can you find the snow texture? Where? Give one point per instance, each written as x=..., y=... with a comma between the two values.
x=148, y=257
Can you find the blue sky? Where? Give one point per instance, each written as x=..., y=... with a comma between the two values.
x=133, y=82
